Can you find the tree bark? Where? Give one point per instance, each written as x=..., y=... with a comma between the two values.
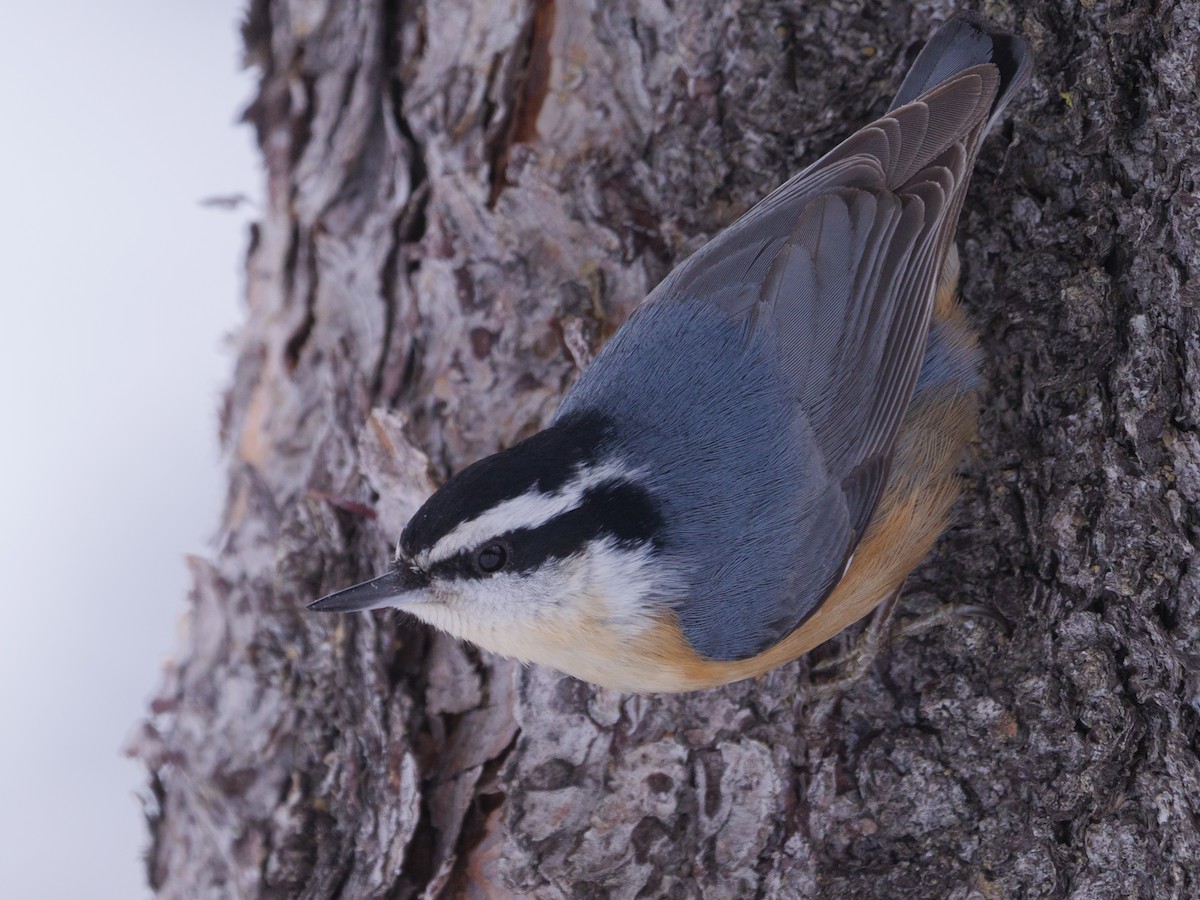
x=464, y=199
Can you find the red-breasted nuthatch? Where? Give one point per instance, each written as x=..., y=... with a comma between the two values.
x=763, y=452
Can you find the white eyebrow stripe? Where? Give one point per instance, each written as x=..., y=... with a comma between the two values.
x=526, y=511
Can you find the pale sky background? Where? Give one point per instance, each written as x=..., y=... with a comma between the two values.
x=117, y=288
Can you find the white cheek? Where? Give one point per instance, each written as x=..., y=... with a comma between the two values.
x=632, y=584
x=505, y=609
x=577, y=614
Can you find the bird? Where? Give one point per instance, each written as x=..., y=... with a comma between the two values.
x=768, y=445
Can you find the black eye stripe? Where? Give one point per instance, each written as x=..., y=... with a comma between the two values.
x=623, y=510
x=544, y=462
x=619, y=510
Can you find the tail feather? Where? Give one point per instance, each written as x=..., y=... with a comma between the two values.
x=964, y=41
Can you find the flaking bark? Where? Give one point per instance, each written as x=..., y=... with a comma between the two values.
x=464, y=199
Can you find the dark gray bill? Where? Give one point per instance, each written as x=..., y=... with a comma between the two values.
x=392, y=588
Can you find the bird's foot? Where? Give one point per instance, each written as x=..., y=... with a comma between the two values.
x=881, y=632
x=855, y=661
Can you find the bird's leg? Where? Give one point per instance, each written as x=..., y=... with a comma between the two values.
x=880, y=634
x=862, y=655
x=944, y=614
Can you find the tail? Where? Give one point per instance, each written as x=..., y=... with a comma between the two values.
x=964, y=41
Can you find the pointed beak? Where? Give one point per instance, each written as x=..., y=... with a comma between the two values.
x=393, y=588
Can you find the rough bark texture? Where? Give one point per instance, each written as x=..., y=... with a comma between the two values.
x=464, y=199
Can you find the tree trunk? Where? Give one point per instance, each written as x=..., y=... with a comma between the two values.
x=465, y=198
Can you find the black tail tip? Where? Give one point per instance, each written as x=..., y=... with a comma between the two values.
x=1011, y=53
x=968, y=39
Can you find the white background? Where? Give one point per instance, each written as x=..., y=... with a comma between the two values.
x=116, y=289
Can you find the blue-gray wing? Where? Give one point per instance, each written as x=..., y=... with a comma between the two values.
x=835, y=275
x=777, y=362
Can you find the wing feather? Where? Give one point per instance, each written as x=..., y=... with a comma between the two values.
x=825, y=289
x=836, y=272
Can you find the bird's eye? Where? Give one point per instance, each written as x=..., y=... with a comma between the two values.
x=492, y=558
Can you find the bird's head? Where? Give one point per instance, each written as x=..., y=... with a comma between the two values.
x=551, y=551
